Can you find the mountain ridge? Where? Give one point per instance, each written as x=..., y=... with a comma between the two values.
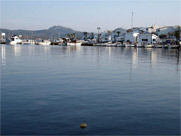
x=50, y=33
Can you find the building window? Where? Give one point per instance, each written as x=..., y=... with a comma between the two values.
x=144, y=40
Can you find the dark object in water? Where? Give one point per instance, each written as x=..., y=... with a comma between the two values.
x=83, y=125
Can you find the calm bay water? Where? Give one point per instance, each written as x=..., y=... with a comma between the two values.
x=117, y=91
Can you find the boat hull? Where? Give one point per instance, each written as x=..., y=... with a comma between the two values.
x=43, y=43
x=74, y=44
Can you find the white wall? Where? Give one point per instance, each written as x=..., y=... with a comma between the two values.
x=131, y=37
x=148, y=38
x=166, y=30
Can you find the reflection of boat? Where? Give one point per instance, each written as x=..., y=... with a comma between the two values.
x=15, y=40
x=44, y=42
x=28, y=42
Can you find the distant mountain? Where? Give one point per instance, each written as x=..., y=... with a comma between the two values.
x=51, y=33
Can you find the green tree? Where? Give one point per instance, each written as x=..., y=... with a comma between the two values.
x=118, y=32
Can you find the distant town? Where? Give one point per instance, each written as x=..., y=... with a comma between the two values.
x=146, y=37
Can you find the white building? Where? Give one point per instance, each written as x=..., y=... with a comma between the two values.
x=152, y=29
x=106, y=38
x=147, y=38
x=131, y=37
x=166, y=30
x=3, y=38
x=121, y=38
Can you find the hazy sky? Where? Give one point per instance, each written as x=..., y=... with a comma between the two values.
x=86, y=15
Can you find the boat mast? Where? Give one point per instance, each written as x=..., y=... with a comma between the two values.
x=132, y=19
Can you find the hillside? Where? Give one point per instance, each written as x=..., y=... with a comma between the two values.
x=51, y=33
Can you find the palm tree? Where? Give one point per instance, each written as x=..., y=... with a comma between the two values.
x=73, y=35
x=109, y=32
x=98, y=28
x=118, y=32
x=169, y=34
x=98, y=37
x=85, y=36
x=68, y=35
x=92, y=35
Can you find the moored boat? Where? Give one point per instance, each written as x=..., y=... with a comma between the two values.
x=129, y=45
x=44, y=42
x=173, y=46
x=158, y=46
x=110, y=44
x=76, y=43
x=149, y=46
x=28, y=42
x=15, y=40
x=139, y=46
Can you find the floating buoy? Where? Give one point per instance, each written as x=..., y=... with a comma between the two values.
x=83, y=125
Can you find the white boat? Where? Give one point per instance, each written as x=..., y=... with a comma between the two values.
x=76, y=43
x=120, y=44
x=165, y=46
x=73, y=44
x=158, y=46
x=149, y=46
x=15, y=40
x=129, y=45
x=97, y=44
x=173, y=46
x=28, y=42
x=139, y=46
x=44, y=42
x=110, y=44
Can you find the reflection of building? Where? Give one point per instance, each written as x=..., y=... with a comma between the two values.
x=154, y=56
x=135, y=57
x=3, y=55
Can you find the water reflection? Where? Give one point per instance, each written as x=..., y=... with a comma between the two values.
x=17, y=50
x=3, y=55
x=134, y=55
x=48, y=86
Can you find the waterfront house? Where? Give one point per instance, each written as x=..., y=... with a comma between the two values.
x=131, y=37
x=2, y=38
x=152, y=29
x=167, y=30
x=148, y=38
x=121, y=38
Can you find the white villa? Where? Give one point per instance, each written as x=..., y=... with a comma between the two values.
x=131, y=37
x=148, y=38
x=166, y=30
x=152, y=29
